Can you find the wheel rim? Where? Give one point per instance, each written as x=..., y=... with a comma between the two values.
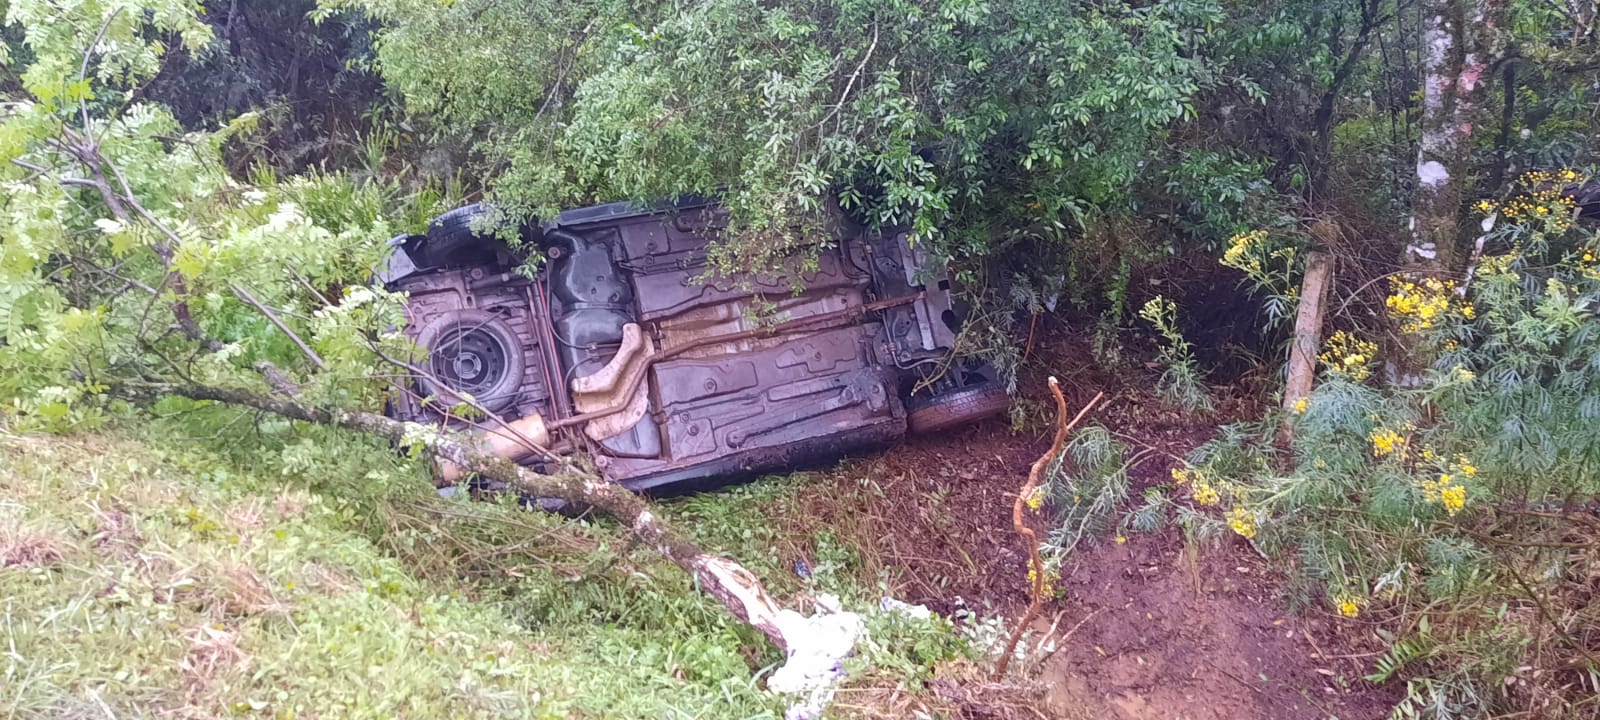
x=469, y=359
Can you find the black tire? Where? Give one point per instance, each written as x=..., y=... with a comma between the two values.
x=985, y=400
x=472, y=352
x=451, y=242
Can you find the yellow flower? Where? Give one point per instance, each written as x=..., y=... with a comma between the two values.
x=1204, y=494
x=1300, y=406
x=1416, y=304
x=1180, y=475
x=1349, y=604
x=1453, y=497
x=1240, y=246
x=1121, y=538
x=1466, y=468
x=1469, y=312
x=1242, y=522
x=1464, y=375
x=1035, y=499
x=1350, y=355
x=1385, y=442
x=1052, y=576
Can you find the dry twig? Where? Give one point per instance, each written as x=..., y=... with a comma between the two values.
x=1029, y=538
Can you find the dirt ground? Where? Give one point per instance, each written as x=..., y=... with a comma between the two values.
x=1145, y=628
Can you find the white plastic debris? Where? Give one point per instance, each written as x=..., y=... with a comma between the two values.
x=1432, y=173
x=818, y=646
x=915, y=612
x=817, y=649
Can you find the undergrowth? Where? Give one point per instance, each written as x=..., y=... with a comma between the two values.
x=1453, y=515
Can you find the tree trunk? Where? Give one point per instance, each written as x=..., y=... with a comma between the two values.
x=1322, y=121
x=1461, y=39
x=1508, y=116
x=736, y=588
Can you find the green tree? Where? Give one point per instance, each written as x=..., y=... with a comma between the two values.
x=134, y=268
x=974, y=122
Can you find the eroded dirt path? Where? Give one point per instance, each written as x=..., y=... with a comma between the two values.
x=1151, y=627
x=1166, y=635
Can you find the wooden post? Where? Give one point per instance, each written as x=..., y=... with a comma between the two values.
x=1307, y=336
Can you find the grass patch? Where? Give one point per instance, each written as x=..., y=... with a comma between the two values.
x=305, y=575
x=141, y=582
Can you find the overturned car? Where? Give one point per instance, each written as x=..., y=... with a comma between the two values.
x=623, y=344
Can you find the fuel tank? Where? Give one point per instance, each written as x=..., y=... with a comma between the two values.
x=593, y=301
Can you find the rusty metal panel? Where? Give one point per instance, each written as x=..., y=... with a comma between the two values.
x=808, y=385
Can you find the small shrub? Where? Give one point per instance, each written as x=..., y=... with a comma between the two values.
x=1180, y=383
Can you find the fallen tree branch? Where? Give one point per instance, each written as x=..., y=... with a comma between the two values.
x=725, y=580
x=1029, y=538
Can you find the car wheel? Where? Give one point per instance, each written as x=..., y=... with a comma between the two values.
x=471, y=352
x=451, y=241
x=959, y=407
x=985, y=400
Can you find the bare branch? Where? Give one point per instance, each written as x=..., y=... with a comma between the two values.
x=843, y=96
x=1031, y=539
x=277, y=379
x=307, y=284
x=87, y=153
x=273, y=318
x=83, y=73
x=112, y=273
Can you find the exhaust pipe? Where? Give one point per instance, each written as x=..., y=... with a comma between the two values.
x=514, y=441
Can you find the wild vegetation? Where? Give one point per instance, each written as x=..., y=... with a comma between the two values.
x=195, y=195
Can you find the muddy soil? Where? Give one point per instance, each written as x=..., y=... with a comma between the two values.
x=1148, y=627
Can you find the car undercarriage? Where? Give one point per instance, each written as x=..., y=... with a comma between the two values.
x=624, y=343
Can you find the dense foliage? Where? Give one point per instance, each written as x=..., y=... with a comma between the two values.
x=1460, y=494
x=132, y=254
x=974, y=123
